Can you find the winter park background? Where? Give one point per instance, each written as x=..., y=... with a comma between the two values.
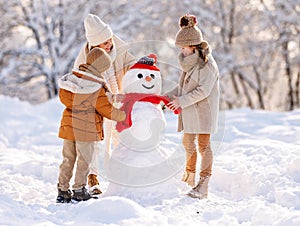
x=256, y=172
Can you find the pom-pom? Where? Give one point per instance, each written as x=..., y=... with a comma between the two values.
x=187, y=21
x=153, y=56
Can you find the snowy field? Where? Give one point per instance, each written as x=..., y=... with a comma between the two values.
x=256, y=174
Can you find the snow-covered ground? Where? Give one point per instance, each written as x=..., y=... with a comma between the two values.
x=256, y=174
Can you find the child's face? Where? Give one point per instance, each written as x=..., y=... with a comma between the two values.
x=107, y=45
x=187, y=50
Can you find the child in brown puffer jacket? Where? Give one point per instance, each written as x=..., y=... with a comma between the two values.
x=83, y=92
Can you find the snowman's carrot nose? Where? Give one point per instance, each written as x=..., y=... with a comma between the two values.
x=148, y=78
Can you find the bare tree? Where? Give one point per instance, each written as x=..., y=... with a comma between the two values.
x=286, y=26
x=248, y=49
x=46, y=40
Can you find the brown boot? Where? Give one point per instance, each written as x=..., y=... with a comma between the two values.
x=94, y=185
x=189, y=178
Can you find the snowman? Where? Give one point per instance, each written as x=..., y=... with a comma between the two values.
x=145, y=124
x=144, y=159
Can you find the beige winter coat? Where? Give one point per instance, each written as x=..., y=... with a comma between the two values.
x=198, y=94
x=121, y=63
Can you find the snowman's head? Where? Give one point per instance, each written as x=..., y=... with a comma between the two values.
x=143, y=77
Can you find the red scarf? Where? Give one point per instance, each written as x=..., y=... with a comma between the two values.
x=129, y=101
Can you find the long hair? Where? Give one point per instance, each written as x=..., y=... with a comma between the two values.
x=204, y=50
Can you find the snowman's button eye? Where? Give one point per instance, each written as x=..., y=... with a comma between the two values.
x=140, y=75
x=152, y=76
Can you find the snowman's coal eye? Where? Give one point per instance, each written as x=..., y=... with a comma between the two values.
x=152, y=76
x=140, y=76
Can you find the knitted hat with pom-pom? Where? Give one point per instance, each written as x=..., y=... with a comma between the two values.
x=189, y=34
x=146, y=62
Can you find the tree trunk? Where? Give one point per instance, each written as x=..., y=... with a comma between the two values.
x=259, y=88
x=297, y=101
x=234, y=83
x=289, y=75
x=54, y=85
x=247, y=94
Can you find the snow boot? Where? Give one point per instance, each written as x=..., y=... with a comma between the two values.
x=189, y=178
x=201, y=190
x=94, y=187
x=63, y=196
x=81, y=195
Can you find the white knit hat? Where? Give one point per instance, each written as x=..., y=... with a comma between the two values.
x=96, y=31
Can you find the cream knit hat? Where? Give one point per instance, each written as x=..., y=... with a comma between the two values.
x=96, y=31
x=189, y=34
x=98, y=61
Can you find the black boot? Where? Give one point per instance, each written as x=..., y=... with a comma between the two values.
x=81, y=194
x=63, y=196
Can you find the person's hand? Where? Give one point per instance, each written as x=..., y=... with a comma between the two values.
x=110, y=97
x=113, y=98
x=174, y=104
x=119, y=97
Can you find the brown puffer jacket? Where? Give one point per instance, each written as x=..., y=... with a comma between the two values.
x=86, y=105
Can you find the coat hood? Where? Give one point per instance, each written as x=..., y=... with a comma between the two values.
x=78, y=84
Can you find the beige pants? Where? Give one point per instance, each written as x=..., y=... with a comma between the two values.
x=203, y=141
x=72, y=151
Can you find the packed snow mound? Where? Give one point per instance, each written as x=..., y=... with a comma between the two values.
x=109, y=210
x=255, y=174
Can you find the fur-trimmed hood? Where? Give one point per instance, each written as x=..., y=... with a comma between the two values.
x=79, y=84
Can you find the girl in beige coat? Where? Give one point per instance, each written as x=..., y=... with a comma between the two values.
x=198, y=96
x=99, y=34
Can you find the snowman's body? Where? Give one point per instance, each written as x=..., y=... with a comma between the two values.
x=148, y=127
x=139, y=164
